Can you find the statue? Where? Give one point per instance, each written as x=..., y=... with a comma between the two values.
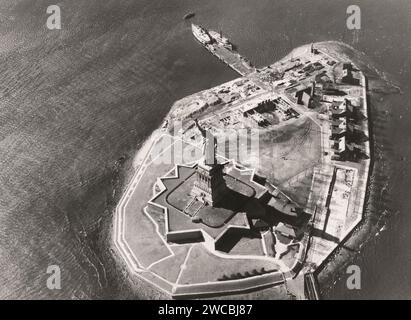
x=210, y=145
x=209, y=185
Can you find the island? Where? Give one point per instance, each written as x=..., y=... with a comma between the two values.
x=253, y=183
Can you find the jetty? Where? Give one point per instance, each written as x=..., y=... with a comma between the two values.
x=221, y=47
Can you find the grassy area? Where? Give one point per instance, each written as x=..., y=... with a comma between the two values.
x=283, y=151
x=289, y=150
x=203, y=266
x=278, y=292
x=299, y=186
x=139, y=231
x=246, y=242
x=170, y=268
x=159, y=218
x=180, y=197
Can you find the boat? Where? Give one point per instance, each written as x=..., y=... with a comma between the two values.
x=211, y=37
x=218, y=36
x=202, y=34
x=189, y=15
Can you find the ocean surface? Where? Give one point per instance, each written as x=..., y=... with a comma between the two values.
x=74, y=101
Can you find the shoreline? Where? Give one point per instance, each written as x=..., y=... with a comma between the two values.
x=375, y=220
x=361, y=236
x=127, y=286
x=333, y=269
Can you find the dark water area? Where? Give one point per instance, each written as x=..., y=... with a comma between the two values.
x=75, y=101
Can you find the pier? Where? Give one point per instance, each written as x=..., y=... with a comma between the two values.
x=231, y=58
x=221, y=48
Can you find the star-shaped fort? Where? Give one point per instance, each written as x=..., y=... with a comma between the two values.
x=252, y=183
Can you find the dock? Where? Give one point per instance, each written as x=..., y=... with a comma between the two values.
x=221, y=48
x=232, y=58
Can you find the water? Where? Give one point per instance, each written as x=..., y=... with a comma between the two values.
x=74, y=101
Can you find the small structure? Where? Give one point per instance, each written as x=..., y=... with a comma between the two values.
x=347, y=75
x=339, y=127
x=288, y=231
x=340, y=146
x=258, y=114
x=305, y=96
x=341, y=108
x=213, y=99
x=313, y=50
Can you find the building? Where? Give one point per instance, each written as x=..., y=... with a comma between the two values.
x=341, y=108
x=255, y=113
x=313, y=50
x=213, y=99
x=347, y=75
x=340, y=146
x=288, y=231
x=338, y=127
x=306, y=95
x=345, y=133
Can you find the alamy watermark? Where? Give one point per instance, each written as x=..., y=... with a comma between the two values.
x=354, y=17
x=54, y=20
x=239, y=144
x=54, y=280
x=354, y=278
